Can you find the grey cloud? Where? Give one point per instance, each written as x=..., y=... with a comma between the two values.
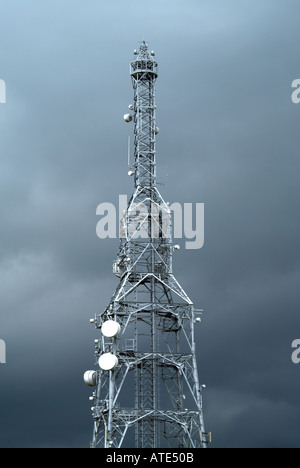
x=229, y=139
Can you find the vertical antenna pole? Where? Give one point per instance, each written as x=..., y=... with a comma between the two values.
x=129, y=152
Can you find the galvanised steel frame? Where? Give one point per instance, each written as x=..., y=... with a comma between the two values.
x=153, y=396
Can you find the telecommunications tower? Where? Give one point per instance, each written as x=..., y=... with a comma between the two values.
x=147, y=389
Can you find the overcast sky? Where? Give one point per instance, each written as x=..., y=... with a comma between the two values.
x=229, y=138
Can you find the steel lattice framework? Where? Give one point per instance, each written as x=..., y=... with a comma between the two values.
x=153, y=394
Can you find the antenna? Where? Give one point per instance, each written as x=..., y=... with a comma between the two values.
x=129, y=165
x=146, y=336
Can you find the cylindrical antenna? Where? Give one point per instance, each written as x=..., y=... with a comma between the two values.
x=129, y=151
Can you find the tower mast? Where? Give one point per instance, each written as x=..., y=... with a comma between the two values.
x=147, y=389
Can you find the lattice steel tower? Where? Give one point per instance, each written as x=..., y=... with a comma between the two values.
x=148, y=392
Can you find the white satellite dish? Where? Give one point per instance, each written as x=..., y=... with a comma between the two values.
x=128, y=118
x=90, y=378
x=110, y=329
x=108, y=362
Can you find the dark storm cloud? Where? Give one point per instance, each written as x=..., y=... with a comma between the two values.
x=229, y=136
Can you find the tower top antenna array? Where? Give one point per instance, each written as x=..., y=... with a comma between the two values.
x=147, y=390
